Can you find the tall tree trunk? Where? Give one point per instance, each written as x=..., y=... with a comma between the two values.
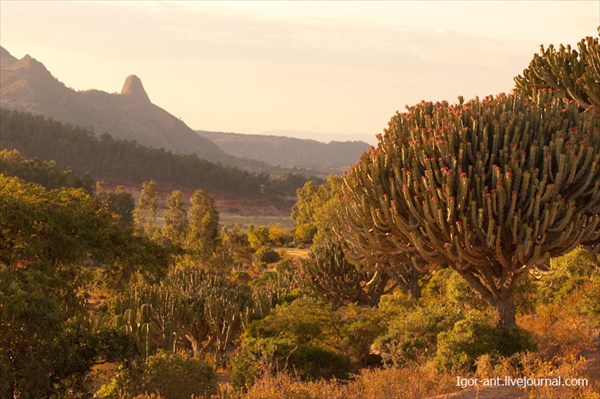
x=504, y=305
x=414, y=289
x=501, y=298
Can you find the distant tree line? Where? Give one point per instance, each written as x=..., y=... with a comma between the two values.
x=127, y=161
x=45, y=173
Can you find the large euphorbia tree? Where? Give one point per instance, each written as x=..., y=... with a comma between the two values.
x=568, y=73
x=492, y=188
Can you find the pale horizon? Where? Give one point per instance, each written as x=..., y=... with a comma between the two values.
x=338, y=69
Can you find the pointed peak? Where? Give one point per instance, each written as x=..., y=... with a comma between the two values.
x=133, y=87
x=6, y=58
x=29, y=63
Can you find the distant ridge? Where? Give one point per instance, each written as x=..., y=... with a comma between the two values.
x=289, y=152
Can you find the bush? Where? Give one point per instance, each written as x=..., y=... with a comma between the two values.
x=271, y=355
x=170, y=375
x=448, y=287
x=295, y=337
x=566, y=327
x=590, y=303
x=258, y=236
x=568, y=272
x=412, y=335
x=266, y=255
x=279, y=235
x=475, y=336
x=305, y=233
x=360, y=326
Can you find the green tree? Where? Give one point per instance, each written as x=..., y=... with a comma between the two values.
x=46, y=173
x=46, y=348
x=56, y=227
x=47, y=345
x=144, y=214
x=279, y=235
x=234, y=247
x=313, y=212
x=119, y=202
x=258, y=237
x=203, y=219
x=493, y=188
x=175, y=225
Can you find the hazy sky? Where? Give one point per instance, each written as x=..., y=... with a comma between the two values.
x=330, y=67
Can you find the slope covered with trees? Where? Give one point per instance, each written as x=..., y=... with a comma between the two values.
x=127, y=161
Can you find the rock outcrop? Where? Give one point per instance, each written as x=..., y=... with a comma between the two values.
x=133, y=87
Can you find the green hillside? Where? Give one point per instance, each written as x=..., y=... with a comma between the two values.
x=124, y=161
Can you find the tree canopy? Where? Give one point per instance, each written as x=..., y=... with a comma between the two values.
x=491, y=187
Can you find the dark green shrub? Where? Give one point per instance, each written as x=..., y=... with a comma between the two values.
x=270, y=355
x=172, y=376
x=266, y=255
x=360, y=326
x=412, y=335
x=313, y=362
x=296, y=337
x=477, y=335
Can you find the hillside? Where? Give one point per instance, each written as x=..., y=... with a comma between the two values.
x=26, y=85
x=127, y=162
x=332, y=157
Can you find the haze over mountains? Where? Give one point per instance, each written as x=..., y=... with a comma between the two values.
x=27, y=85
x=289, y=152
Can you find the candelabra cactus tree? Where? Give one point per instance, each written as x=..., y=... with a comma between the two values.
x=492, y=188
x=190, y=308
x=570, y=74
x=342, y=276
x=331, y=275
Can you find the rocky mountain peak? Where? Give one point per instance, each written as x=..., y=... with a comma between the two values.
x=133, y=87
x=5, y=57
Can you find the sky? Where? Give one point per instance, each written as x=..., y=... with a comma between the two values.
x=324, y=70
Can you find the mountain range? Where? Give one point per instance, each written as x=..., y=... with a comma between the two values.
x=26, y=85
x=289, y=152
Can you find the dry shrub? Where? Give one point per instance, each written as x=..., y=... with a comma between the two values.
x=558, y=328
x=408, y=382
x=531, y=365
x=285, y=386
x=411, y=382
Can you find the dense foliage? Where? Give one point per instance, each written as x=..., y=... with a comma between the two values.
x=46, y=173
x=49, y=343
x=171, y=375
